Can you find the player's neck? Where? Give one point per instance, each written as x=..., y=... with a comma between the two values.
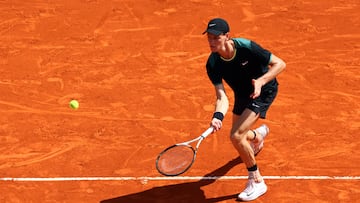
x=228, y=51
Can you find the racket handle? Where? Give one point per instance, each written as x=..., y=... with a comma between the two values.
x=207, y=132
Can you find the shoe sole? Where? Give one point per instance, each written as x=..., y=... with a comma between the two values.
x=260, y=148
x=262, y=144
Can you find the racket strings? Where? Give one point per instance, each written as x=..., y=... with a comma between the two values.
x=175, y=160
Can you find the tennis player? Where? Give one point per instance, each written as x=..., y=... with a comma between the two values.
x=250, y=71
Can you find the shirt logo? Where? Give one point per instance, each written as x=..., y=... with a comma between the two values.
x=244, y=63
x=255, y=105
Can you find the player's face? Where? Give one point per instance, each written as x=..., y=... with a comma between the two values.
x=216, y=43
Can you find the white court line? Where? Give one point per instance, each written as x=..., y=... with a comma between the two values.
x=53, y=179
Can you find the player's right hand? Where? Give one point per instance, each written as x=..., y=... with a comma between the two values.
x=216, y=124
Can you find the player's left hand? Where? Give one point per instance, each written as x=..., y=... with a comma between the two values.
x=257, y=89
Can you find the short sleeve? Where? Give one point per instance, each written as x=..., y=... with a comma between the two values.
x=213, y=73
x=263, y=55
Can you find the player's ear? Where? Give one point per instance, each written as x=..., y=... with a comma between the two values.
x=227, y=35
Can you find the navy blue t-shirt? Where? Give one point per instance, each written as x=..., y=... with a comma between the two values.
x=250, y=61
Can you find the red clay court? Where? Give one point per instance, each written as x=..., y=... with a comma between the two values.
x=138, y=70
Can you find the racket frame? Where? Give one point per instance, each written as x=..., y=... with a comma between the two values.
x=199, y=139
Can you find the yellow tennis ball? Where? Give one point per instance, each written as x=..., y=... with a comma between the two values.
x=74, y=104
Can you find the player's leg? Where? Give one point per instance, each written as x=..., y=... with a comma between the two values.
x=240, y=137
x=256, y=136
x=244, y=116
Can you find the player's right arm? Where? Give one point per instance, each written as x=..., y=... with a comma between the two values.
x=221, y=106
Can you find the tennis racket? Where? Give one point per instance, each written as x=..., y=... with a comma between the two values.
x=178, y=158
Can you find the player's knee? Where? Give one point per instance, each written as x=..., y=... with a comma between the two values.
x=237, y=137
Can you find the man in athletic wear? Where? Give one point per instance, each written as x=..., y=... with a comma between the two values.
x=251, y=73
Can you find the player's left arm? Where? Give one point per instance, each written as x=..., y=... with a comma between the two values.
x=276, y=66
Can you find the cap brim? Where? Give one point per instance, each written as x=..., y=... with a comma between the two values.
x=214, y=32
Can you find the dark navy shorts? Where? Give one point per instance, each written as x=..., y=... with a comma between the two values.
x=258, y=105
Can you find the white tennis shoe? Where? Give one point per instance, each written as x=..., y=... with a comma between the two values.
x=253, y=190
x=263, y=130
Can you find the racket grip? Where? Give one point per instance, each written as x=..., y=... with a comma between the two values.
x=207, y=132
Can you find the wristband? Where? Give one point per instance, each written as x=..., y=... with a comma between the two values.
x=218, y=115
